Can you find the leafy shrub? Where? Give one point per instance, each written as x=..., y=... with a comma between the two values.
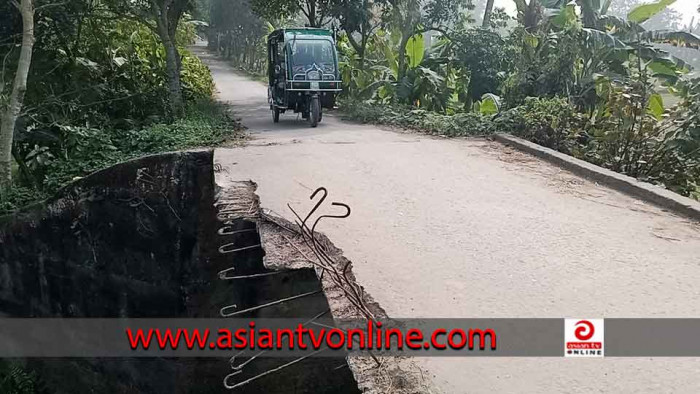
x=553, y=123
x=631, y=136
x=686, y=137
x=461, y=124
x=626, y=137
x=196, y=79
x=545, y=66
x=62, y=171
x=84, y=150
x=487, y=57
x=16, y=196
x=14, y=379
x=375, y=74
x=202, y=126
x=71, y=150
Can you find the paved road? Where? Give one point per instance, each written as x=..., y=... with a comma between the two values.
x=470, y=228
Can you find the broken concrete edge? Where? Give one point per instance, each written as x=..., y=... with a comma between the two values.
x=292, y=244
x=395, y=374
x=117, y=231
x=653, y=194
x=284, y=248
x=96, y=178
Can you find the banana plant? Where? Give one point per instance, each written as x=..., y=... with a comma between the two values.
x=489, y=105
x=609, y=45
x=600, y=30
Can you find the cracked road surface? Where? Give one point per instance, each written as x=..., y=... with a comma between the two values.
x=471, y=228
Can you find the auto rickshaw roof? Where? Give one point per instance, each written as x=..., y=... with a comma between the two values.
x=301, y=32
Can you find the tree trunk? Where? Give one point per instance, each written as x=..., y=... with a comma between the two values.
x=487, y=14
x=14, y=106
x=401, y=58
x=312, y=12
x=172, y=68
x=359, y=47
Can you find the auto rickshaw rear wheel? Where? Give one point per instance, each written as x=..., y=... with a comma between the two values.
x=275, y=114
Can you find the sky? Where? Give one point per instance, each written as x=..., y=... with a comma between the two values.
x=687, y=8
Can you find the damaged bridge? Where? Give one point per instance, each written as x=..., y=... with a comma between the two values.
x=156, y=237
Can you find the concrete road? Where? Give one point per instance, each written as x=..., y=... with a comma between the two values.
x=470, y=228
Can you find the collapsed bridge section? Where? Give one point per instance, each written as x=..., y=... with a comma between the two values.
x=156, y=237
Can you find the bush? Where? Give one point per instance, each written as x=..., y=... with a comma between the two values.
x=553, y=123
x=487, y=57
x=16, y=196
x=205, y=125
x=461, y=124
x=86, y=150
x=628, y=137
x=197, y=83
x=15, y=379
x=545, y=67
x=686, y=137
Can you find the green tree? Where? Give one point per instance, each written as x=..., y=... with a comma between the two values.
x=415, y=17
x=316, y=12
x=14, y=105
x=487, y=14
x=359, y=19
x=163, y=18
x=486, y=57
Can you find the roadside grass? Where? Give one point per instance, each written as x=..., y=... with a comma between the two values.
x=429, y=122
x=205, y=124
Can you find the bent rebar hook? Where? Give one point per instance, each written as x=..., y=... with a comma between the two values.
x=237, y=369
x=309, y=232
x=224, y=249
x=318, y=220
x=318, y=204
x=268, y=372
x=337, y=204
x=223, y=230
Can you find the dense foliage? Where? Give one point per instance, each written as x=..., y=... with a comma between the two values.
x=98, y=92
x=431, y=122
x=567, y=76
x=553, y=123
x=14, y=379
x=89, y=149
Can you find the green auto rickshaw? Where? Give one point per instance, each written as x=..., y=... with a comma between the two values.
x=303, y=72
